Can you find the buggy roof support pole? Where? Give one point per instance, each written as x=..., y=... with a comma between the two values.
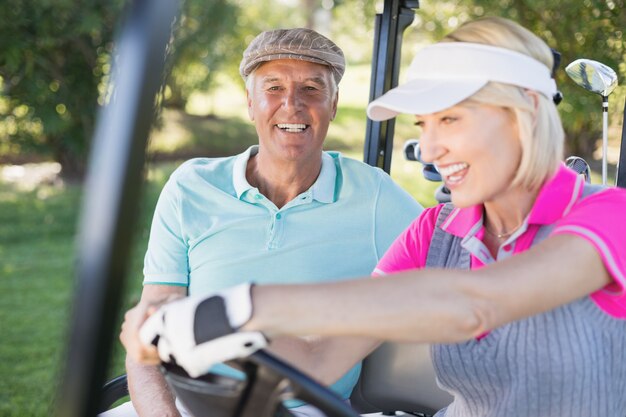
x=390, y=25
x=110, y=202
x=621, y=165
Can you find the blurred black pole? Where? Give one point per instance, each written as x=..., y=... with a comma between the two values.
x=110, y=201
x=389, y=27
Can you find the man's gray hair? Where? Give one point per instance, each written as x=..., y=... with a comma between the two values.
x=249, y=80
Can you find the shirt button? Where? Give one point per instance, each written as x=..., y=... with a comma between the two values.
x=507, y=248
x=278, y=216
x=258, y=196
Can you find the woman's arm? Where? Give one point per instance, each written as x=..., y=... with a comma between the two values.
x=430, y=305
x=325, y=359
x=435, y=305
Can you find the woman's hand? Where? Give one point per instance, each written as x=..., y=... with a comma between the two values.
x=197, y=332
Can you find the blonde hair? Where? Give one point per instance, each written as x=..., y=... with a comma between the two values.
x=540, y=129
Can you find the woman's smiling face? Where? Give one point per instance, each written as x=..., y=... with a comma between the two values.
x=475, y=147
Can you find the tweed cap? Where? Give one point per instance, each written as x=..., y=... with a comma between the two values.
x=299, y=43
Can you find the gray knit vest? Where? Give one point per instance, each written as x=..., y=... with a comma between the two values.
x=567, y=362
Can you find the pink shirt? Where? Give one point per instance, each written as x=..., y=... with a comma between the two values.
x=599, y=218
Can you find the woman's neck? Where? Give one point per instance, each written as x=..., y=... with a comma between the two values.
x=508, y=212
x=505, y=215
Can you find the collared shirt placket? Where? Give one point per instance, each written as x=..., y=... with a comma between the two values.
x=479, y=250
x=277, y=217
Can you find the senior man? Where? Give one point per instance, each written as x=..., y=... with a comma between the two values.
x=282, y=209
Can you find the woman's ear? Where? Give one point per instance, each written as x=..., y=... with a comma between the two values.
x=534, y=98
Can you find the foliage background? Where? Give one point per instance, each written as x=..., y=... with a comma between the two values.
x=56, y=56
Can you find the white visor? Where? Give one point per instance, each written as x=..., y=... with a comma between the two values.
x=447, y=73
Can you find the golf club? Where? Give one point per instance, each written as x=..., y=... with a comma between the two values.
x=600, y=79
x=579, y=165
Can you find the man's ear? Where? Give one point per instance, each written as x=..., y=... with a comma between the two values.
x=249, y=101
x=333, y=114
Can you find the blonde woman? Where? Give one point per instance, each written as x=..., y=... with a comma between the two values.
x=519, y=282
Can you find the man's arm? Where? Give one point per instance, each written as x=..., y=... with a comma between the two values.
x=324, y=358
x=148, y=390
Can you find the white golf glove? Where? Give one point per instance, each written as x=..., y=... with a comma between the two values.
x=200, y=331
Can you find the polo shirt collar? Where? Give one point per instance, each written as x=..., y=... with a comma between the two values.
x=239, y=170
x=555, y=199
x=322, y=190
x=557, y=196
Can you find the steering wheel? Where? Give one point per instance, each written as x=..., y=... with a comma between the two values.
x=268, y=382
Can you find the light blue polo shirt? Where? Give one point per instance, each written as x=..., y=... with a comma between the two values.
x=212, y=229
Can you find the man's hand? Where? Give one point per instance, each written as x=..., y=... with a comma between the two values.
x=198, y=332
x=133, y=320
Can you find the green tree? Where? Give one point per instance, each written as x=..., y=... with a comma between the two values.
x=591, y=29
x=255, y=17
x=201, y=47
x=55, y=61
x=54, y=55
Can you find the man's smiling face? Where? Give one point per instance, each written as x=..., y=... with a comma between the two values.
x=291, y=103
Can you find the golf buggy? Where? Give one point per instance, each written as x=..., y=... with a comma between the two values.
x=396, y=377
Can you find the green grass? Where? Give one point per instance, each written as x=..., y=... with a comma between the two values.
x=36, y=241
x=37, y=230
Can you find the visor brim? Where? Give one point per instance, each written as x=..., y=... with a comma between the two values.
x=424, y=96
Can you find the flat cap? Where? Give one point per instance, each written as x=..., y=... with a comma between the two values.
x=300, y=43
